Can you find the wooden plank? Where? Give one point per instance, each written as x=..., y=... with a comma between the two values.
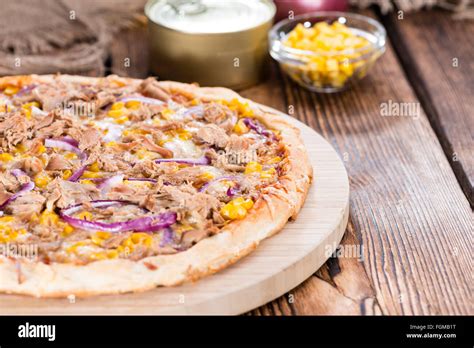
x=435, y=51
x=407, y=209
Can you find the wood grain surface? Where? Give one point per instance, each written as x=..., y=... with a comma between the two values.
x=278, y=264
x=437, y=54
x=407, y=209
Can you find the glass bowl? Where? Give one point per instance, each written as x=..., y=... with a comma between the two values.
x=328, y=71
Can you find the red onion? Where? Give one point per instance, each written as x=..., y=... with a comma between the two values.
x=77, y=174
x=144, y=224
x=197, y=110
x=212, y=182
x=70, y=140
x=24, y=188
x=26, y=89
x=168, y=237
x=259, y=128
x=71, y=145
x=108, y=183
x=64, y=145
x=143, y=99
x=193, y=161
x=304, y=6
x=142, y=179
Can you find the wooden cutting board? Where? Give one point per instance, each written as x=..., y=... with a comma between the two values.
x=278, y=265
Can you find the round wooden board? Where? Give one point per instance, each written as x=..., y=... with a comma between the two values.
x=278, y=265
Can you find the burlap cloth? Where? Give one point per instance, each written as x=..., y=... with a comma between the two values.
x=73, y=36
x=68, y=36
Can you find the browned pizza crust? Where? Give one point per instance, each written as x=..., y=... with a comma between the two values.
x=271, y=212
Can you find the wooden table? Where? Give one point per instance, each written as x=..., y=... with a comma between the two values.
x=411, y=177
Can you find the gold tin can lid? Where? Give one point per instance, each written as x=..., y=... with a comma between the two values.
x=210, y=16
x=211, y=42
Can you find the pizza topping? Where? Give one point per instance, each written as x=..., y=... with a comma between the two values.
x=148, y=171
x=144, y=224
x=212, y=135
x=24, y=188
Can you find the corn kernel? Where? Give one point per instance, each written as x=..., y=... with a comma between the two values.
x=67, y=174
x=11, y=90
x=70, y=156
x=243, y=108
x=133, y=104
x=268, y=174
x=274, y=160
x=237, y=208
x=5, y=157
x=94, y=167
x=48, y=218
x=89, y=174
x=100, y=236
x=87, y=182
x=115, y=113
x=67, y=230
x=240, y=127
x=167, y=113
x=122, y=120
x=42, y=179
x=117, y=106
x=84, y=215
x=41, y=149
x=253, y=167
x=183, y=134
x=207, y=176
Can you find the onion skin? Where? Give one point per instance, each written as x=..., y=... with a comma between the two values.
x=304, y=6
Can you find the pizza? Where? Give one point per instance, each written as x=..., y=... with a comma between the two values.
x=112, y=185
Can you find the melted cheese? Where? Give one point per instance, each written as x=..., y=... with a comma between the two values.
x=183, y=148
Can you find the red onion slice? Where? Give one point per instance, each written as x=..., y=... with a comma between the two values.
x=24, y=188
x=26, y=89
x=142, y=179
x=71, y=145
x=203, y=161
x=108, y=183
x=142, y=99
x=212, y=182
x=259, y=128
x=77, y=174
x=144, y=224
x=168, y=237
x=70, y=140
x=64, y=145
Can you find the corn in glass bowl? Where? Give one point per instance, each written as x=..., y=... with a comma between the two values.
x=327, y=51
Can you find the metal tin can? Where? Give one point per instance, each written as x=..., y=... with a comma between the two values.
x=211, y=42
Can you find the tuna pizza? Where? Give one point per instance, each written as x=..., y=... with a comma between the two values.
x=111, y=185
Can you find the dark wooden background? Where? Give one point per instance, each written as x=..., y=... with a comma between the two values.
x=411, y=177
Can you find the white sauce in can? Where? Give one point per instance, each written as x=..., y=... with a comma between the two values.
x=211, y=16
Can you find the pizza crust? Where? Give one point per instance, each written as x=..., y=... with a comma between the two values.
x=271, y=212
